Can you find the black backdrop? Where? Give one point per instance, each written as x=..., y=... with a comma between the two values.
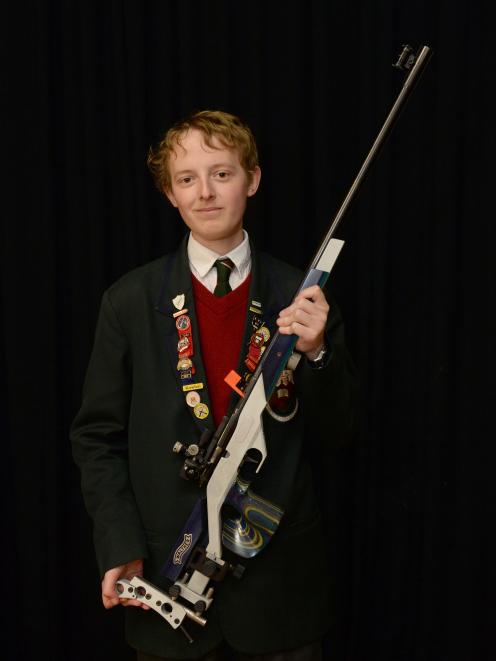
x=88, y=86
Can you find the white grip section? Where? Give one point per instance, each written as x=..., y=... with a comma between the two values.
x=248, y=434
x=329, y=256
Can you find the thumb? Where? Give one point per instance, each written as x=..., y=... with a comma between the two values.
x=110, y=597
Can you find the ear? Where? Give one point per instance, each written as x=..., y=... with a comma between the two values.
x=170, y=195
x=256, y=175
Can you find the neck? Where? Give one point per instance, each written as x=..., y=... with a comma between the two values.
x=224, y=245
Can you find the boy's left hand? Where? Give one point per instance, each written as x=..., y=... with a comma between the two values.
x=306, y=317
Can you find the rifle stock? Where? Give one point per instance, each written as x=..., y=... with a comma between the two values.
x=254, y=522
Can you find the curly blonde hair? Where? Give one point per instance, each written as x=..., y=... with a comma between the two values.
x=228, y=129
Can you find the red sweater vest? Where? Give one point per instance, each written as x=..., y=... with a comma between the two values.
x=221, y=323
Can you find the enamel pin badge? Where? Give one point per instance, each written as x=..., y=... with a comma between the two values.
x=178, y=301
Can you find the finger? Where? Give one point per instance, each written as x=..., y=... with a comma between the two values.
x=110, y=596
x=109, y=601
x=283, y=322
x=285, y=330
x=307, y=336
x=304, y=318
x=308, y=317
x=134, y=602
x=313, y=293
x=286, y=312
x=312, y=307
x=289, y=313
x=286, y=325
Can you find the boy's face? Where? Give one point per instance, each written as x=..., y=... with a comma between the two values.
x=209, y=187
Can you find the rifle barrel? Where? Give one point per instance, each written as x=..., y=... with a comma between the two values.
x=408, y=86
x=415, y=65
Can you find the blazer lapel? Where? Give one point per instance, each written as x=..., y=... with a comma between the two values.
x=177, y=281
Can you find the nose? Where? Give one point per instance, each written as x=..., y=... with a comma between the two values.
x=206, y=188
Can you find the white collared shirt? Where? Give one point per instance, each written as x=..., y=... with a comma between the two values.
x=201, y=262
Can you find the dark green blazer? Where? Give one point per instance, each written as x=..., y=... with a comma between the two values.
x=133, y=411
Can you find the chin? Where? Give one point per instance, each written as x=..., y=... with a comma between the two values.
x=216, y=233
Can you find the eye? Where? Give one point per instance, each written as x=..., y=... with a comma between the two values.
x=185, y=180
x=222, y=174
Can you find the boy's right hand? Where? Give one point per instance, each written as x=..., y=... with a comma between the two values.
x=110, y=597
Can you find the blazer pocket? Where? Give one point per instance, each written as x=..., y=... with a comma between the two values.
x=302, y=526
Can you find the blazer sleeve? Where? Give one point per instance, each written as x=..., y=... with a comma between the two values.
x=331, y=392
x=100, y=445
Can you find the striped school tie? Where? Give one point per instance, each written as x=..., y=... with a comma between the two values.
x=224, y=268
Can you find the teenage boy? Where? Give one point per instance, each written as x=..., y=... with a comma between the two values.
x=167, y=335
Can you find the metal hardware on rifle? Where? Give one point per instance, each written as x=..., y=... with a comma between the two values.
x=405, y=59
x=174, y=591
x=228, y=515
x=185, y=632
x=201, y=460
x=173, y=612
x=189, y=450
x=200, y=562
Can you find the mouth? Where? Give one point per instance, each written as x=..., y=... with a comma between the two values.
x=208, y=209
